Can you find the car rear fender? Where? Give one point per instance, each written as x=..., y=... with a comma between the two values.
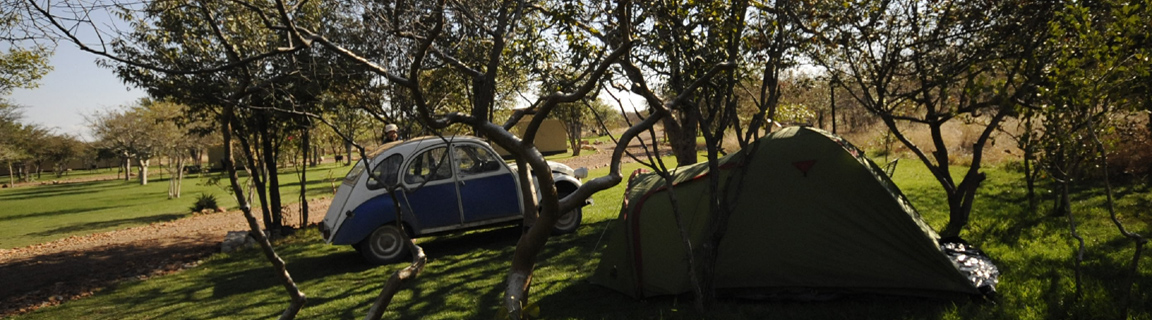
x=365, y=218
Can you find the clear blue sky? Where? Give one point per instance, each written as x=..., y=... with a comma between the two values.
x=75, y=88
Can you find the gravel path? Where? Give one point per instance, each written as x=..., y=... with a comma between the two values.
x=71, y=268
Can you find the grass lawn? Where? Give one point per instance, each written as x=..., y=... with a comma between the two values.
x=465, y=272
x=42, y=213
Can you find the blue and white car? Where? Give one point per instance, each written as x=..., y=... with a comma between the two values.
x=443, y=184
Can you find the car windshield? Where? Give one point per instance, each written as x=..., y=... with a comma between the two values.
x=358, y=169
x=354, y=174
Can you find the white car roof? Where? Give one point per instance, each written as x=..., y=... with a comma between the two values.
x=414, y=144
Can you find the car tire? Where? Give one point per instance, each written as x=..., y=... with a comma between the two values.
x=568, y=221
x=387, y=244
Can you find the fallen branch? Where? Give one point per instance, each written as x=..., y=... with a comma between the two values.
x=397, y=280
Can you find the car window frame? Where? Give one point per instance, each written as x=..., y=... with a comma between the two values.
x=374, y=183
x=474, y=156
x=419, y=156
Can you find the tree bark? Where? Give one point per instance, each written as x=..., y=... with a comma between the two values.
x=1136, y=238
x=273, y=179
x=143, y=170
x=485, y=92
x=574, y=138
x=347, y=153
x=695, y=268
x=682, y=136
x=1075, y=234
x=305, y=141
x=257, y=174
x=127, y=168
x=297, y=297
x=396, y=281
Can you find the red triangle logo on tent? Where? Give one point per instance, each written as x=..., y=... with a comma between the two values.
x=804, y=166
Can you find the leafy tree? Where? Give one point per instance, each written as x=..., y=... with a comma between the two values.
x=583, y=116
x=19, y=67
x=179, y=138
x=1100, y=73
x=930, y=63
x=21, y=145
x=60, y=149
x=131, y=133
x=11, y=149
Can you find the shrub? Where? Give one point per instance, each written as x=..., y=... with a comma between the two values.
x=204, y=202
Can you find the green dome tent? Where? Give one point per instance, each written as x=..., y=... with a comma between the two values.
x=812, y=214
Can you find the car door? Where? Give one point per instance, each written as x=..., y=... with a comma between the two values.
x=430, y=193
x=487, y=187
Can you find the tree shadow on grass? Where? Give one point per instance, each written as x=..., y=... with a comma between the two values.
x=32, y=280
x=89, y=226
x=459, y=265
x=52, y=190
x=53, y=213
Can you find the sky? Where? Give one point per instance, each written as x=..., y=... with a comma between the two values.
x=75, y=88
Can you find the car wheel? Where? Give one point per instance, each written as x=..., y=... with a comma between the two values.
x=385, y=245
x=568, y=221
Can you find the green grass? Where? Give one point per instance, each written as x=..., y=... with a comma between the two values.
x=465, y=272
x=42, y=213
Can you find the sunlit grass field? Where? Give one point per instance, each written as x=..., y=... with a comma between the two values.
x=41, y=213
x=465, y=272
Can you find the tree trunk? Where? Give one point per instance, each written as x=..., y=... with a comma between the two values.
x=315, y=155
x=11, y=175
x=143, y=170
x=1030, y=175
x=698, y=269
x=305, y=142
x=574, y=130
x=258, y=175
x=273, y=179
x=1029, y=147
x=485, y=92
x=1067, y=205
x=177, y=179
x=297, y=297
x=682, y=136
x=1136, y=238
x=397, y=280
x=832, y=102
x=348, y=153
x=172, y=188
x=127, y=169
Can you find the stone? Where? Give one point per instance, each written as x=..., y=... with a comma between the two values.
x=237, y=240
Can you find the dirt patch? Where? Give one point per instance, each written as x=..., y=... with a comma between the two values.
x=600, y=154
x=71, y=268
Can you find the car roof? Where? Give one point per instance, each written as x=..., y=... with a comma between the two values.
x=413, y=144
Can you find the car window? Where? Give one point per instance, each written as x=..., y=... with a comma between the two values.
x=354, y=174
x=386, y=171
x=430, y=165
x=473, y=160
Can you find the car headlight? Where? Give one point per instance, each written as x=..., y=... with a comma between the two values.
x=580, y=173
x=560, y=168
